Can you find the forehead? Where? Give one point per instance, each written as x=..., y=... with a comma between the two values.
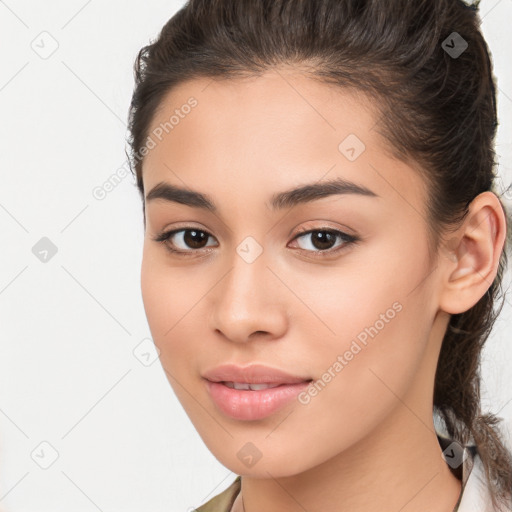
x=276, y=129
x=280, y=103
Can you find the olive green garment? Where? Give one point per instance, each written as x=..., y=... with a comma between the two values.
x=223, y=501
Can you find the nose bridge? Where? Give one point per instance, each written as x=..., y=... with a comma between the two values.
x=244, y=302
x=247, y=276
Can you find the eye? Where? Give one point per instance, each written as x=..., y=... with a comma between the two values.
x=187, y=241
x=183, y=240
x=322, y=240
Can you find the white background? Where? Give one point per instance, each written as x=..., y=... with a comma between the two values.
x=69, y=327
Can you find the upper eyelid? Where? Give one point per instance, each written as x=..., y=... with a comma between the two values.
x=300, y=231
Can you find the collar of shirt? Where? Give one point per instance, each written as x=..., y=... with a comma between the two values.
x=475, y=492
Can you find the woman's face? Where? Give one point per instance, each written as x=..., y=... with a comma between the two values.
x=276, y=280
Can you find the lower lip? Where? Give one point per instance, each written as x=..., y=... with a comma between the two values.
x=253, y=405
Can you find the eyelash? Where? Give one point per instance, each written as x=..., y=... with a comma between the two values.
x=347, y=239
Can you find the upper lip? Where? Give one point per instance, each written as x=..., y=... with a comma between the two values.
x=252, y=374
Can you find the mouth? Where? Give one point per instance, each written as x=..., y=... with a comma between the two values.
x=252, y=392
x=253, y=404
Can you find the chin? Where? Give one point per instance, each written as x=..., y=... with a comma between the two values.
x=250, y=459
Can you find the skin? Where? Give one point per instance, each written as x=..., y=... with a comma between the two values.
x=366, y=442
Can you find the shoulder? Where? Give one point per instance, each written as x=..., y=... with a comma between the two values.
x=223, y=501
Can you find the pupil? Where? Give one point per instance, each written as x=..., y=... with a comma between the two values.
x=323, y=237
x=194, y=238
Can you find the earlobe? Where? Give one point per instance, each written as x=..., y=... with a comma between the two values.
x=471, y=257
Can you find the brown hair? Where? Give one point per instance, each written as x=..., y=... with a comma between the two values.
x=437, y=108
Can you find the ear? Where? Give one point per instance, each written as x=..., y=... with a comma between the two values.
x=471, y=256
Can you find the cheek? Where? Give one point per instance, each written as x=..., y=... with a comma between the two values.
x=362, y=374
x=154, y=295
x=363, y=377
x=173, y=298
x=375, y=322
x=168, y=300
x=167, y=296
x=362, y=297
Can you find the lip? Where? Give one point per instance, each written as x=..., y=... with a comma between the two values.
x=248, y=404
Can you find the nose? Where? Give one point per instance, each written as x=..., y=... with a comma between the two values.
x=249, y=302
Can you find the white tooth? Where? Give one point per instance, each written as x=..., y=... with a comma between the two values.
x=244, y=386
x=239, y=385
x=256, y=387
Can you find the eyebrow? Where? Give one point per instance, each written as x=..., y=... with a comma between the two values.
x=289, y=198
